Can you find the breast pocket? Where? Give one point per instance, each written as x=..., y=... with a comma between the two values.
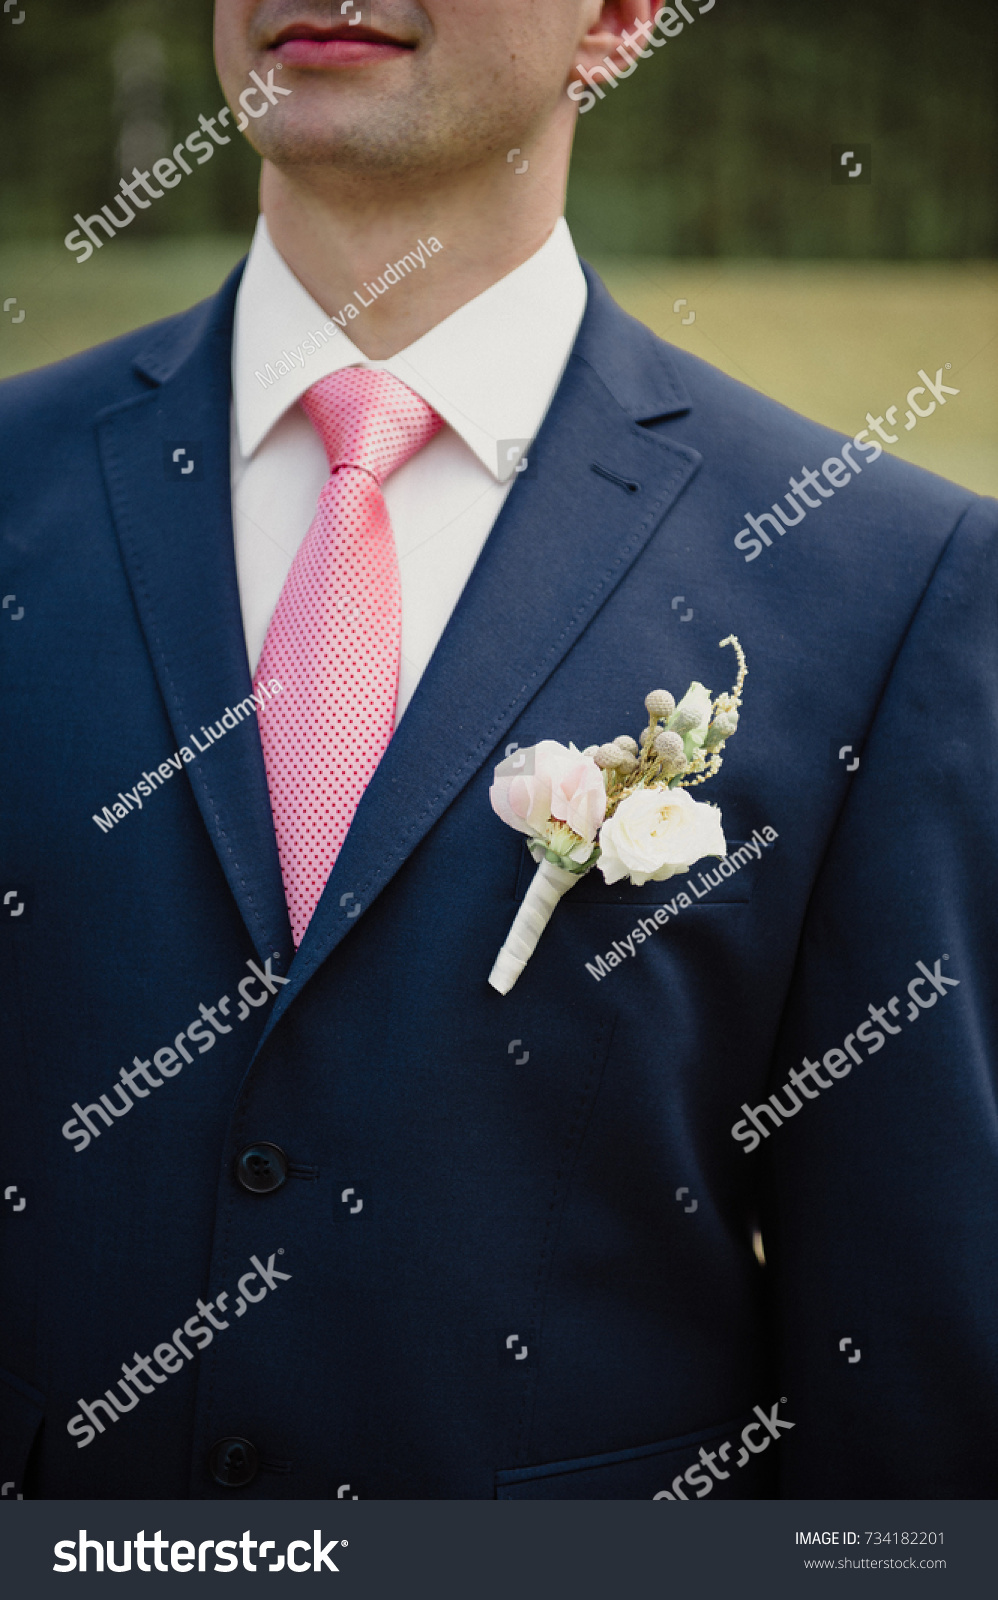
x=653, y=1471
x=709, y=883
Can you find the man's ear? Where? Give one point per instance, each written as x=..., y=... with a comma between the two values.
x=605, y=24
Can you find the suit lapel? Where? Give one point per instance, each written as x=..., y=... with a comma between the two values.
x=563, y=542
x=175, y=533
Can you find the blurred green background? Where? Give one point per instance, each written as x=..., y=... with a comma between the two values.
x=705, y=177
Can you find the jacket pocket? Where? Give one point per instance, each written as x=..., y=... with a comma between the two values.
x=650, y=1470
x=22, y=1409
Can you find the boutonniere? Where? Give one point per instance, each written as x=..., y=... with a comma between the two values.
x=623, y=806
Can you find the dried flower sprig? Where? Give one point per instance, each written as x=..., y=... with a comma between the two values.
x=681, y=745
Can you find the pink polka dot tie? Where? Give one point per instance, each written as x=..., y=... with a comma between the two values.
x=334, y=640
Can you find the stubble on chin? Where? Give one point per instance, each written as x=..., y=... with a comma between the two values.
x=391, y=139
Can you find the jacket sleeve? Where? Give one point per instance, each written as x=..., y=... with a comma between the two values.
x=882, y=1189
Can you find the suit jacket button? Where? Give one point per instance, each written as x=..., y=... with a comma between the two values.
x=261, y=1168
x=233, y=1463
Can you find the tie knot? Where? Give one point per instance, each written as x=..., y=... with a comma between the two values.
x=369, y=419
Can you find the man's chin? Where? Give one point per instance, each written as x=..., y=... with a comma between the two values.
x=347, y=149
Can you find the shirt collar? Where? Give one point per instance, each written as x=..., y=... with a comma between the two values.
x=490, y=369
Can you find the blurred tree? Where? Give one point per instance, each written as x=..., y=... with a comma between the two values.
x=89, y=92
x=720, y=144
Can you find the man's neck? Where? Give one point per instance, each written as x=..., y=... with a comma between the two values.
x=336, y=240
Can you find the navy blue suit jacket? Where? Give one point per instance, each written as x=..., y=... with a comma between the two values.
x=512, y=1252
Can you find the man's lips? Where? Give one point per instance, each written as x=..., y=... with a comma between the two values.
x=302, y=45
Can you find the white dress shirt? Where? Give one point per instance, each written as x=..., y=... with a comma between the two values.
x=490, y=369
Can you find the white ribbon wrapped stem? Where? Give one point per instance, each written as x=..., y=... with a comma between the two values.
x=547, y=886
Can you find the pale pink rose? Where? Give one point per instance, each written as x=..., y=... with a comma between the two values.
x=549, y=782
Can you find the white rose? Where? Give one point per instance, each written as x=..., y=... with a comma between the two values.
x=656, y=833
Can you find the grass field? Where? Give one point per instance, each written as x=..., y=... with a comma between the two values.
x=833, y=340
